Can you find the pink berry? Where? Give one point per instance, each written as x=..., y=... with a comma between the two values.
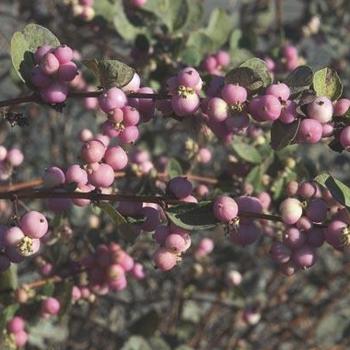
x=3, y=153
x=93, y=151
x=337, y=234
x=304, y=223
x=310, y=131
x=111, y=99
x=321, y=109
x=234, y=94
x=185, y=105
x=21, y=338
x=225, y=208
x=293, y=238
x=12, y=236
x=289, y=112
x=138, y=3
x=131, y=116
x=129, y=135
x=103, y=176
x=15, y=325
x=164, y=259
x=307, y=189
x=291, y=211
x=67, y=71
x=116, y=157
x=53, y=177
x=223, y=58
x=64, y=54
x=180, y=187
x=138, y=271
x=292, y=188
x=290, y=51
x=280, y=90
x=234, y=278
x=269, y=107
x=50, y=306
x=304, y=257
x=40, y=52
x=82, y=202
x=204, y=155
x=14, y=157
x=85, y=135
x=188, y=77
x=55, y=93
x=210, y=64
x=206, y=245
x=49, y=64
x=34, y=224
x=175, y=243
x=344, y=137
x=341, y=107
x=217, y=109
x=75, y=174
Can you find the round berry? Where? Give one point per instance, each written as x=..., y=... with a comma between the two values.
x=34, y=224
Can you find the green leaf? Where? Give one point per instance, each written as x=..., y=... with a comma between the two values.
x=219, y=27
x=326, y=82
x=136, y=343
x=6, y=314
x=122, y=24
x=245, y=77
x=282, y=134
x=48, y=289
x=9, y=279
x=110, y=72
x=107, y=9
x=147, y=324
x=259, y=67
x=158, y=343
x=235, y=37
x=201, y=41
x=254, y=178
x=25, y=43
x=339, y=191
x=114, y=214
x=193, y=216
x=277, y=187
x=174, y=168
x=191, y=56
x=247, y=152
x=300, y=79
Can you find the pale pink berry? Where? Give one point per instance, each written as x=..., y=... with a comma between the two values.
x=321, y=109
x=223, y=58
x=76, y=174
x=175, y=243
x=49, y=64
x=111, y=99
x=67, y=71
x=341, y=107
x=269, y=107
x=131, y=116
x=304, y=257
x=3, y=153
x=210, y=64
x=85, y=135
x=307, y=189
x=344, y=137
x=164, y=259
x=138, y=3
x=15, y=157
x=291, y=211
x=185, y=105
x=34, y=224
x=290, y=51
x=138, y=271
x=292, y=188
x=234, y=278
x=337, y=234
x=41, y=51
x=28, y=246
x=115, y=272
x=188, y=77
x=55, y=93
x=15, y=325
x=293, y=238
x=12, y=236
x=289, y=112
x=206, y=245
x=225, y=208
x=63, y=53
x=103, y=176
x=234, y=94
x=116, y=157
x=280, y=90
x=93, y=151
x=310, y=131
x=82, y=202
x=50, y=306
x=130, y=134
x=304, y=223
x=217, y=109
x=53, y=177
x=265, y=200
x=21, y=338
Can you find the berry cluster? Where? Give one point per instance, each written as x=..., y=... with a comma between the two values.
x=53, y=71
x=18, y=242
x=214, y=64
x=82, y=9
x=107, y=270
x=16, y=335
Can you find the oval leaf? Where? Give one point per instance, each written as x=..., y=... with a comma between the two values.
x=326, y=82
x=300, y=79
x=245, y=77
x=110, y=72
x=247, y=152
x=282, y=134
